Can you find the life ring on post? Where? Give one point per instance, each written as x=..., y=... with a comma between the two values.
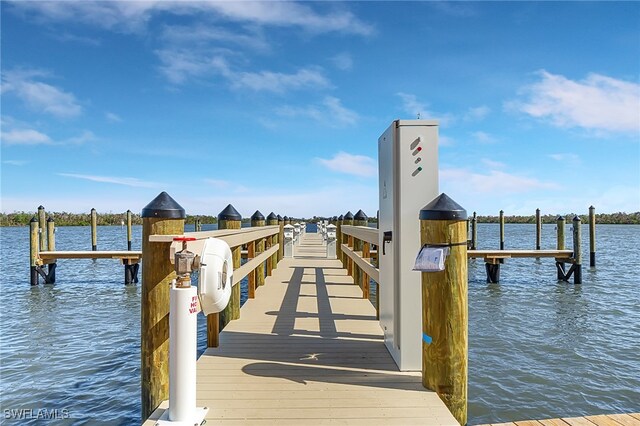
x=216, y=276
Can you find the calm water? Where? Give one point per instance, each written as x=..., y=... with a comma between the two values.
x=537, y=348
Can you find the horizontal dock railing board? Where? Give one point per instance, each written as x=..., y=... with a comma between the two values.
x=519, y=253
x=369, y=235
x=252, y=264
x=367, y=267
x=233, y=237
x=52, y=255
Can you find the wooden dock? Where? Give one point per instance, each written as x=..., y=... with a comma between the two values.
x=309, y=350
x=632, y=419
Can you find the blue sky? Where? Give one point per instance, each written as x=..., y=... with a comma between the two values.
x=277, y=106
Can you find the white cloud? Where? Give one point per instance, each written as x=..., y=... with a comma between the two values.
x=39, y=96
x=596, y=103
x=278, y=82
x=24, y=137
x=126, y=181
x=358, y=165
x=112, y=117
x=497, y=181
x=483, y=137
x=17, y=163
x=343, y=61
x=204, y=35
x=565, y=158
x=330, y=112
x=492, y=164
x=133, y=16
x=477, y=113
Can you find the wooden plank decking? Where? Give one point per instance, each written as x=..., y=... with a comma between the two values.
x=632, y=419
x=309, y=351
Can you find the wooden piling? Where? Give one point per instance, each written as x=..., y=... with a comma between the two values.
x=346, y=220
x=577, y=250
x=366, y=253
x=501, y=230
x=272, y=220
x=474, y=232
x=34, y=244
x=444, y=306
x=339, y=237
x=538, y=229
x=94, y=230
x=360, y=219
x=281, y=238
x=257, y=219
x=560, y=224
x=162, y=216
x=251, y=278
x=42, y=228
x=592, y=237
x=129, y=233
x=229, y=218
x=51, y=234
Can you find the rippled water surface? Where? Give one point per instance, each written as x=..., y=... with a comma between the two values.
x=537, y=348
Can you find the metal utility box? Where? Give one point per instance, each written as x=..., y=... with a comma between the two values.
x=408, y=179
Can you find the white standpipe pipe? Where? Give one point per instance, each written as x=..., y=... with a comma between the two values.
x=182, y=353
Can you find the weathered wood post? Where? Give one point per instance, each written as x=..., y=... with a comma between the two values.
x=42, y=227
x=129, y=233
x=501, y=230
x=257, y=219
x=577, y=250
x=51, y=246
x=229, y=218
x=444, y=306
x=366, y=253
x=162, y=216
x=34, y=249
x=360, y=219
x=346, y=220
x=272, y=220
x=474, y=232
x=339, y=237
x=287, y=220
x=538, y=229
x=281, y=238
x=592, y=237
x=94, y=230
x=251, y=278
x=560, y=224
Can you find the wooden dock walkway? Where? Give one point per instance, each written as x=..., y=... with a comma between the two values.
x=309, y=350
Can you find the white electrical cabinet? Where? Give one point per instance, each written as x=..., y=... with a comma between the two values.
x=408, y=180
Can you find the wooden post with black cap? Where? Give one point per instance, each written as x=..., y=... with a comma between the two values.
x=281, y=238
x=346, y=260
x=444, y=306
x=360, y=219
x=229, y=218
x=272, y=220
x=162, y=216
x=257, y=219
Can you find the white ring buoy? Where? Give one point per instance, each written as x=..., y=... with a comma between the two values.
x=216, y=276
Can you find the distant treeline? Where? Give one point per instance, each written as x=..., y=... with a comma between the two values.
x=604, y=218
x=75, y=219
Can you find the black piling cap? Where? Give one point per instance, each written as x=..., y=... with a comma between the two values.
x=341, y=217
x=560, y=217
x=41, y=207
x=591, y=208
x=50, y=219
x=280, y=218
x=443, y=208
x=272, y=216
x=335, y=218
x=286, y=218
x=257, y=216
x=348, y=216
x=576, y=218
x=164, y=207
x=360, y=216
x=229, y=213
x=93, y=210
x=33, y=219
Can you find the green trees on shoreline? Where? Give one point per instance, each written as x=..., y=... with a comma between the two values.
x=75, y=219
